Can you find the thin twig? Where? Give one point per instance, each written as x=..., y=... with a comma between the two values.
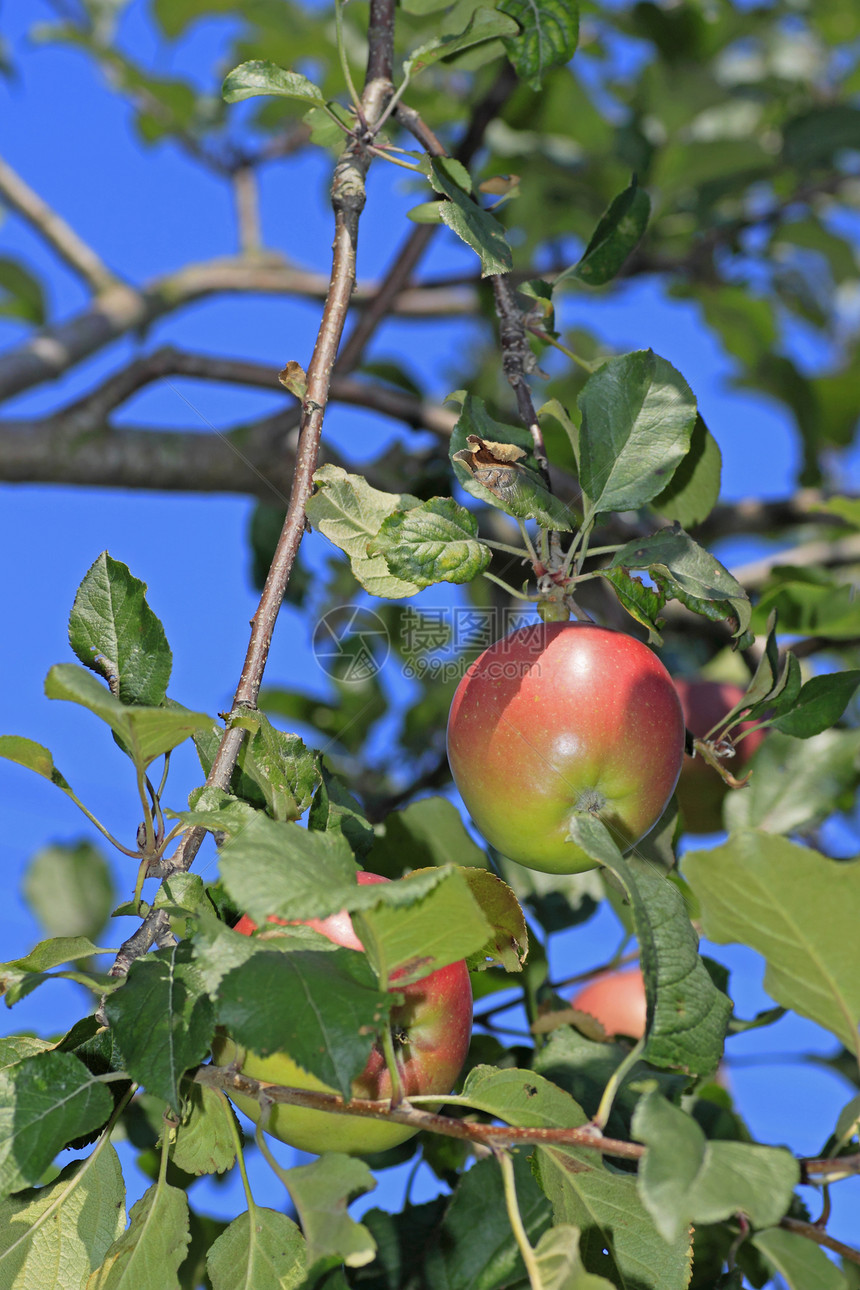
x=246, y=192
x=413, y=249
x=54, y=230
x=348, y=198
x=820, y=1237
x=227, y=1079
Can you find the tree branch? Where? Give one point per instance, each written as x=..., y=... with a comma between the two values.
x=348, y=197
x=54, y=230
x=820, y=1237
x=497, y=1135
x=121, y=309
x=413, y=249
x=79, y=446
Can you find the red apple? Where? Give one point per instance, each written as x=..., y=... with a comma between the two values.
x=558, y=718
x=432, y=1028
x=700, y=789
x=617, y=1001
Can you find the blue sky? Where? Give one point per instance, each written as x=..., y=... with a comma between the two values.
x=147, y=211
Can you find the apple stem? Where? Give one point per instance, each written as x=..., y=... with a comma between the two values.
x=524, y=1246
x=614, y=1083
x=393, y=1067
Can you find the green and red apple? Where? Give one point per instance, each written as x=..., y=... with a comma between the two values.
x=432, y=1028
x=559, y=718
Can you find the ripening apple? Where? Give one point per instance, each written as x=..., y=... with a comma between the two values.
x=558, y=718
x=432, y=1029
x=617, y=1001
x=701, y=791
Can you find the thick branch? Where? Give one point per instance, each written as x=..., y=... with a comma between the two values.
x=80, y=257
x=80, y=446
x=121, y=309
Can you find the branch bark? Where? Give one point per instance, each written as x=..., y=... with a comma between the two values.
x=120, y=309
x=496, y=1135
x=54, y=230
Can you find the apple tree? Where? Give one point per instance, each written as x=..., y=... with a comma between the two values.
x=549, y=480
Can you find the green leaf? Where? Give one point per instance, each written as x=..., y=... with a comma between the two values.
x=454, y=1259
x=14, y=1048
x=349, y=513
x=259, y=76
x=509, y=944
x=695, y=486
x=478, y=228
x=284, y=770
x=522, y=492
x=484, y=24
x=809, y=602
x=276, y=868
x=618, y=233
x=427, y=832
x=796, y=908
x=521, y=1098
x=441, y=927
x=26, y=752
x=45, y=1101
x=163, y=1020
x=21, y=294
x=336, y=811
x=59, y=949
x=559, y=1264
x=618, y=1238
x=549, y=31
x=583, y=1192
x=682, y=568
x=641, y=602
x=583, y=1067
x=846, y=508
x=148, y=1255
x=19, y=977
x=265, y=1249
x=323, y=1009
x=813, y=138
x=434, y=542
x=825, y=765
x=686, y=1179
x=320, y=1193
x=144, y=732
x=802, y=1264
x=687, y=1014
x=426, y=213
x=114, y=632
x=203, y=1141
x=70, y=889
x=819, y=705
x=638, y=415
x=87, y=1213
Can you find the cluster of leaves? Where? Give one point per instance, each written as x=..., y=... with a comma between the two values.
x=296, y=992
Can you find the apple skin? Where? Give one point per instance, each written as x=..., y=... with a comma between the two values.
x=559, y=717
x=433, y=1024
x=701, y=791
x=617, y=1001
